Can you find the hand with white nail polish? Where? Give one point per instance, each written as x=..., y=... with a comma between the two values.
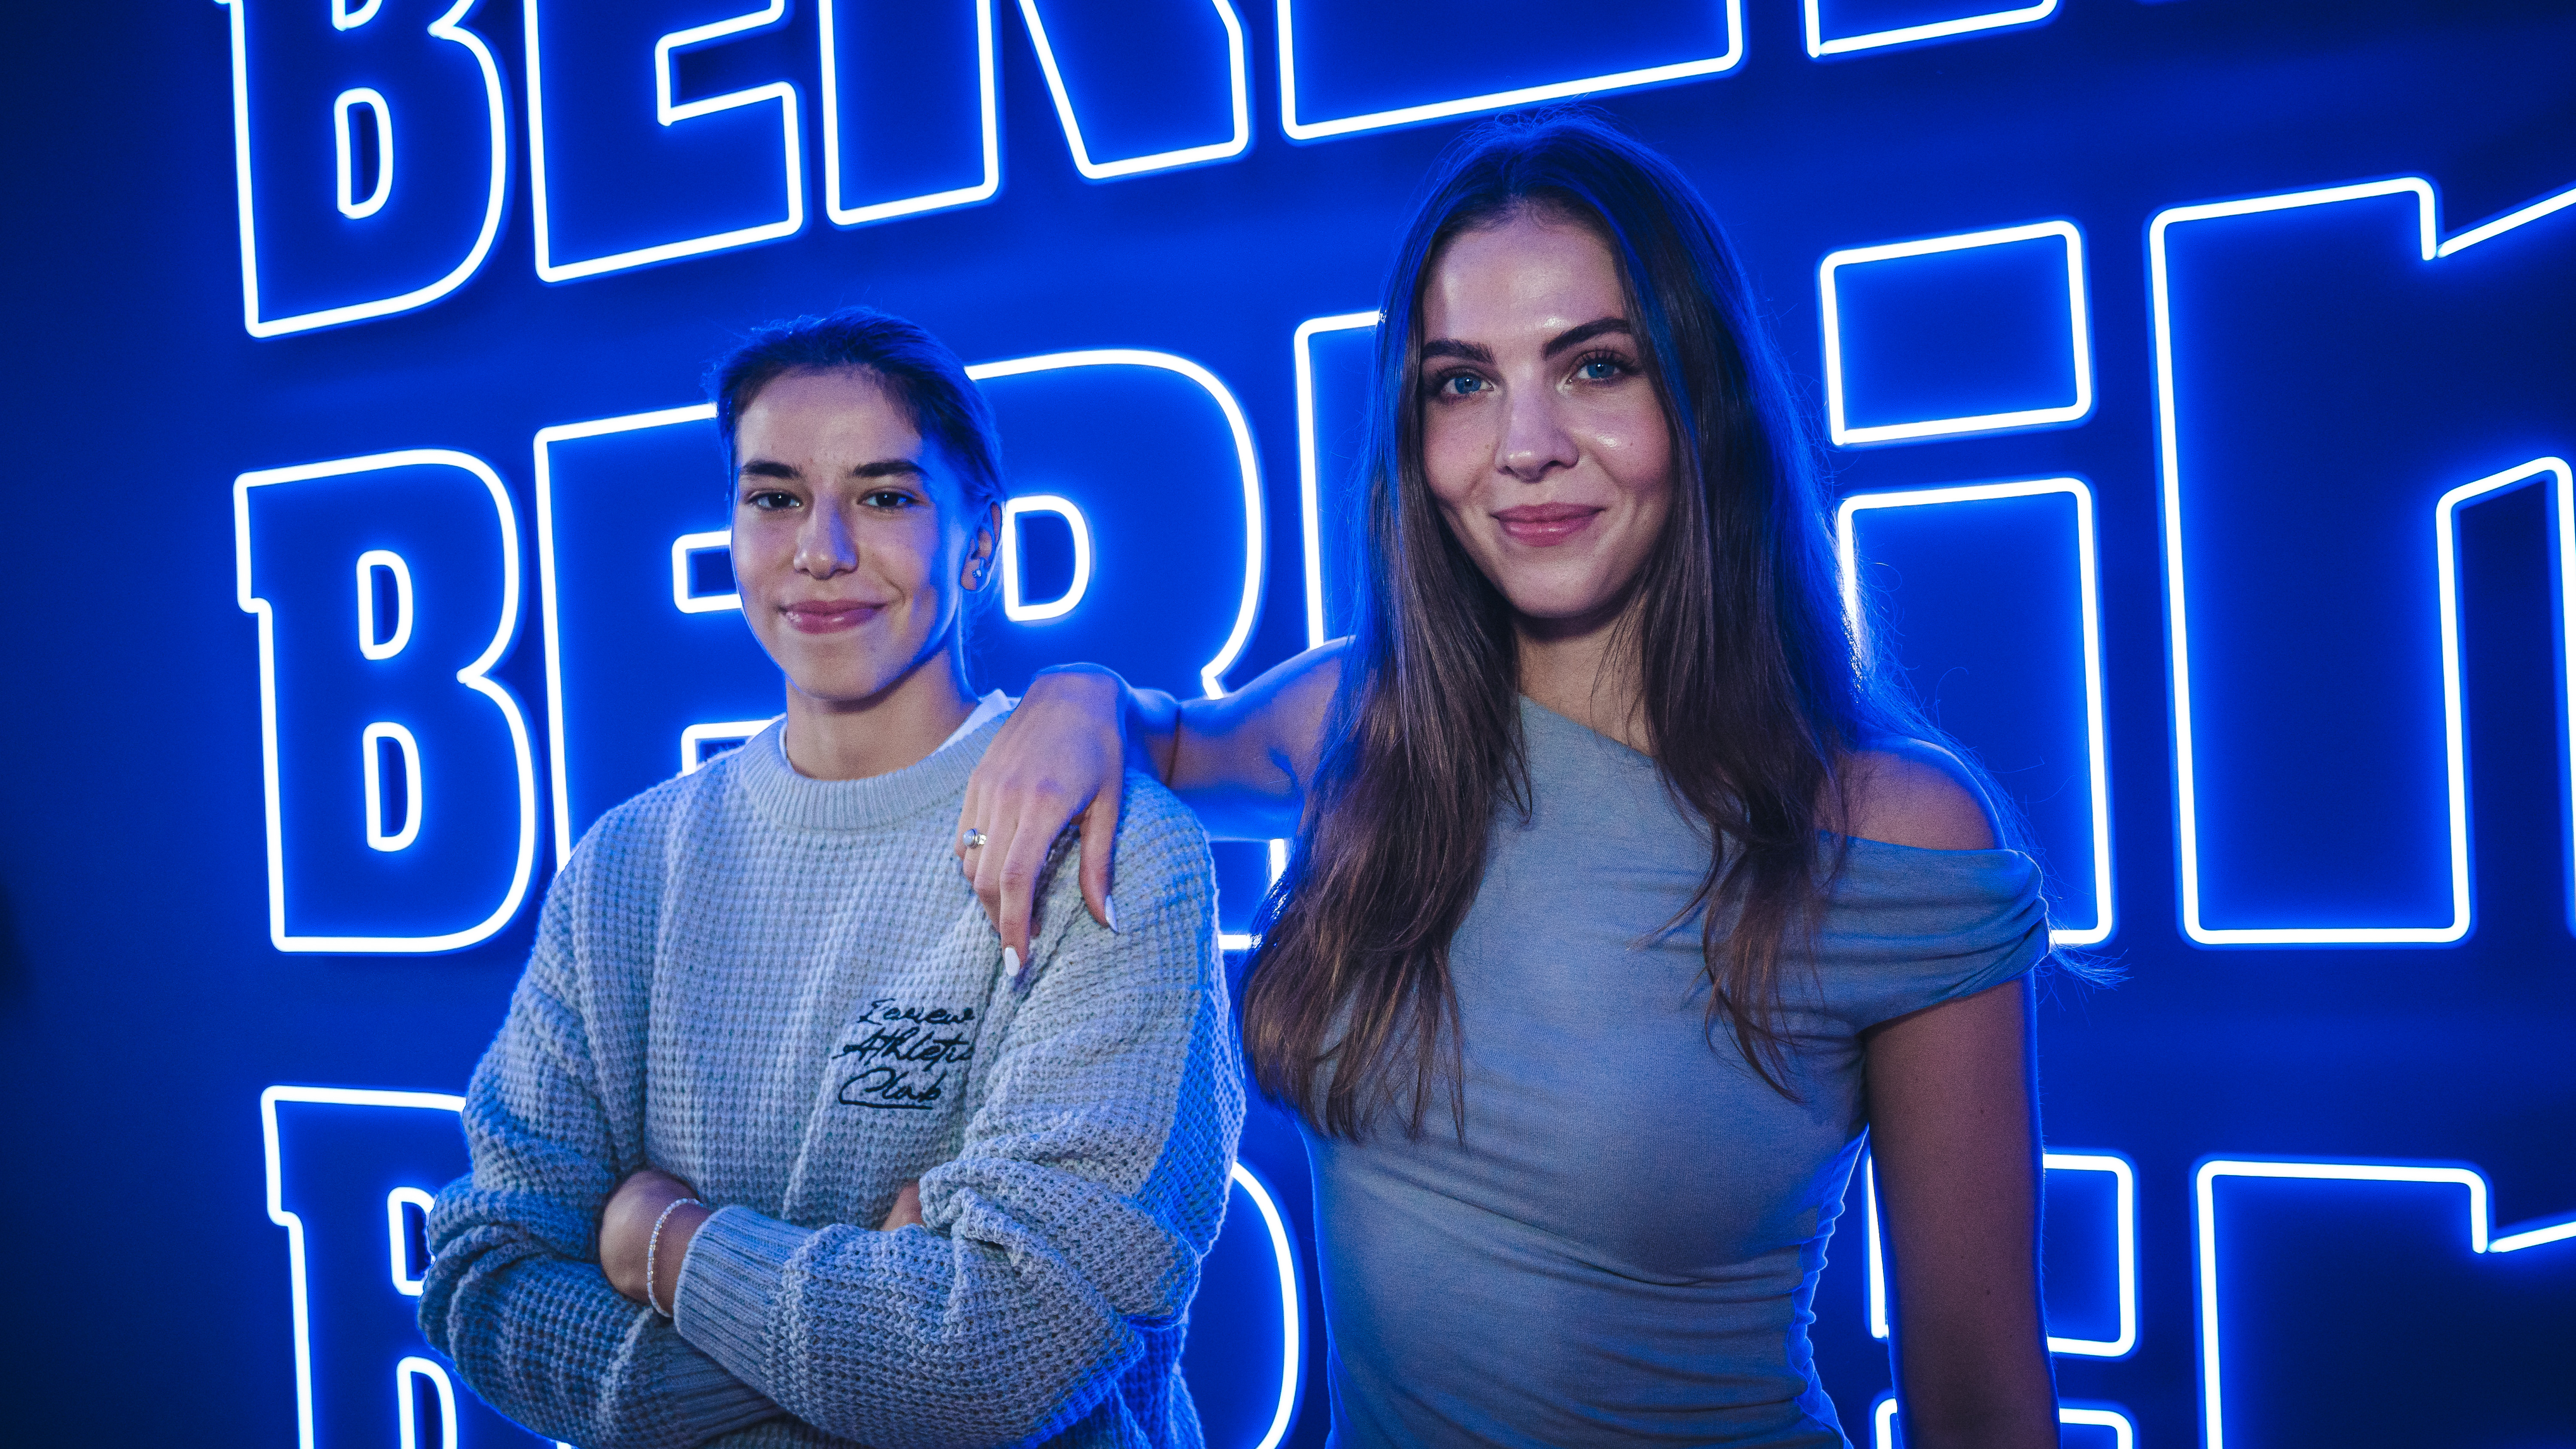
x=1242, y=762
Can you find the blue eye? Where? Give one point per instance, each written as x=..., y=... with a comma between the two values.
x=1600, y=369
x=1462, y=384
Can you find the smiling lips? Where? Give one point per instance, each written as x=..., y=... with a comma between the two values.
x=1544, y=525
x=828, y=616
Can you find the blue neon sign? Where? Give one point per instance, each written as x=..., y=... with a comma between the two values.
x=2191, y=381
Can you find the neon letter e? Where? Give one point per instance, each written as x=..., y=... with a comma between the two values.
x=400, y=781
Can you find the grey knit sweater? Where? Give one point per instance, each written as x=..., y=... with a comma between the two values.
x=783, y=991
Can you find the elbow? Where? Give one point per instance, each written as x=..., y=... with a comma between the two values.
x=2001, y=1430
x=1047, y=1405
x=438, y=1302
x=979, y=1406
x=2003, y=1404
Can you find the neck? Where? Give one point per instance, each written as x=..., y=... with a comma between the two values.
x=1586, y=670
x=836, y=739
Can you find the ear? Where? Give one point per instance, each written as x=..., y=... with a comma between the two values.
x=979, y=552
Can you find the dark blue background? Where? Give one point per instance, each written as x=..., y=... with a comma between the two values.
x=142, y=1009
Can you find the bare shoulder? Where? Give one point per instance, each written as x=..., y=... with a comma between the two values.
x=1912, y=792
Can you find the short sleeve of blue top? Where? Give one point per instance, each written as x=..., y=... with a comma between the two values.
x=1623, y=1249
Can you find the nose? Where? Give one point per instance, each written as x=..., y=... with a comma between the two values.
x=1533, y=442
x=824, y=546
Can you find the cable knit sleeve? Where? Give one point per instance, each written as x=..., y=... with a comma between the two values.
x=514, y=1293
x=1060, y=1248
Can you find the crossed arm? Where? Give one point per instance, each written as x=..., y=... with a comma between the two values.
x=1056, y=1249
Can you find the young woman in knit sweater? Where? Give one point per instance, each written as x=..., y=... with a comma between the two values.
x=1624, y=908
x=779, y=1144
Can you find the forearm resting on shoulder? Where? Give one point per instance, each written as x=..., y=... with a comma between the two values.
x=1242, y=762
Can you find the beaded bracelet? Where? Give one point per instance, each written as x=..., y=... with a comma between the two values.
x=652, y=1254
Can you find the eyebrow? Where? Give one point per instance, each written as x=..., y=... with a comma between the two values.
x=881, y=468
x=889, y=468
x=1597, y=327
x=1572, y=337
x=1465, y=351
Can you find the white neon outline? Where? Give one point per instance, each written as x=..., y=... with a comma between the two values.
x=474, y=676
x=2454, y=706
x=984, y=190
x=695, y=735
x=391, y=562
x=689, y=603
x=1291, y=1332
x=2507, y=222
x=407, y=1408
x=2124, y=1435
x=2124, y=1178
x=2081, y=339
x=370, y=740
x=665, y=112
x=398, y=1236
x=1818, y=47
x=2177, y=624
x=1246, y=940
x=445, y=28
x=2204, y=1197
x=294, y=1225
x=1160, y=160
x=1212, y=673
x=344, y=18
x=2097, y=750
x=1058, y=607
x=1877, y=1251
x=1495, y=101
x=1310, y=466
x=345, y=161
x=558, y=755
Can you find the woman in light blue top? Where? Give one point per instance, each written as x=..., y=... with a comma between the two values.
x=1629, y=900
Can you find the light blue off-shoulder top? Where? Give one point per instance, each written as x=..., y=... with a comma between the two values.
x=1623, y=1248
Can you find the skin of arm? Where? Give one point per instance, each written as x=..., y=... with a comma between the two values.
x=626, y=1231
x=1242, y=762
x=1954, y=1131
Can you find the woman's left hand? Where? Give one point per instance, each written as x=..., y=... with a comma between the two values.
x=626, y=1234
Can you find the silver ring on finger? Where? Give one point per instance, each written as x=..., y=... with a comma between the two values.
x=975, y=838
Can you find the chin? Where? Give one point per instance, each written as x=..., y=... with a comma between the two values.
x=840, y=683
x=1556, y=603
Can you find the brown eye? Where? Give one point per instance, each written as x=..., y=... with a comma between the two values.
x=770, y=500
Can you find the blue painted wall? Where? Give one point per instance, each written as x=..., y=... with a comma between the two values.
x=2181, y=360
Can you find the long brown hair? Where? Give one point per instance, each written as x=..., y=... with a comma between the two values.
x=1746, y=667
